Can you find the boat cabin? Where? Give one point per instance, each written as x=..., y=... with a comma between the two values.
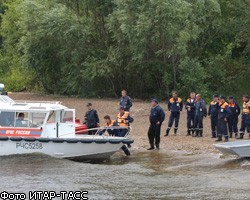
x=35, y=119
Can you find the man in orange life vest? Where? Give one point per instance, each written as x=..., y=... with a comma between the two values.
x=124, y=120
x=109, y=124
x=175, y=106
x=223, y=115
x=213, y=113
x=190, y=113
x=233, y=119
x=245, y=117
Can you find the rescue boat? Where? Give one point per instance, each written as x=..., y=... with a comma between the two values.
x=50, y=128
x=238, y=148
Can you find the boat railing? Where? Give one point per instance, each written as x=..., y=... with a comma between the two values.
x=41, y=102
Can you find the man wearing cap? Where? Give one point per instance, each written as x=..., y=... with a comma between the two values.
x=125, y=101
x=156, y=118
x=175, y=106
x=91, y=119
x=190, y=113
x=213, y=113
x=245, y=117
x=223, y=115
x=233, y=119
x=200, y=112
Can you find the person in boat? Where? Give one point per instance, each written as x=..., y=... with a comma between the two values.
x=91, y=119
x=20, y=120
x=233, y=119
x=175, y=106
x=223, y=116
x=157, y=116
x=108, y=127
x=123, y=120
x=190, y=113
x=200, y=113
x=213, y=114
x=244, y=116
x=125, y=101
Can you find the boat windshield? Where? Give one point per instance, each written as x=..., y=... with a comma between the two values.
x=22, y=119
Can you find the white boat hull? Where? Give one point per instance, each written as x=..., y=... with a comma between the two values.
x=76, y=150
x=239, y=148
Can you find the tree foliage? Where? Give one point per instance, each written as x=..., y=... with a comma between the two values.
x=97, y=48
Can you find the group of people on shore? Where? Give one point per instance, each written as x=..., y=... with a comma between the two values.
x=223, y=112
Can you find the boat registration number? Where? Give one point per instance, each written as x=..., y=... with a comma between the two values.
x=29, y=145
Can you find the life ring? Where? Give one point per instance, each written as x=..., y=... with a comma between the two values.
x=16, y=138
x=127, y=141
x=57, y=140
x=115, y=141
x=29, y=139
x=4, y=138
x=72, y=140
x=43, y=139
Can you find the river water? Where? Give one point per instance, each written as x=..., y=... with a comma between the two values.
x=145, y=175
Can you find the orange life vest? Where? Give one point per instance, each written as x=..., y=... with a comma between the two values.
x=111, y=124
x=121, y=119
x=172, y=100
x=223, y=105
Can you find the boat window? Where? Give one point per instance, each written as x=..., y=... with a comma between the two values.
x=22, y=120
x=52, y=117
x=29, y=120
x=67, y=117
x=7, y=118
x=37, y=119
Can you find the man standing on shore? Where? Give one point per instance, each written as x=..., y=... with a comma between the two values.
x=200, y=112
x=190, y=113
x=244, y=116
x=91, y=119
x=223, y=115
x=156, y=118
x=213, y=113
x=233, y=119
x=175, y=106
x=125, y=101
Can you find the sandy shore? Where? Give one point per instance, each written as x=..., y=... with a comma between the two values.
x=140, y=112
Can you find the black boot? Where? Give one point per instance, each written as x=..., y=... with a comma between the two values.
x=226, y=139
x=188, y=133
x=219, y=139
x=236, y=135
x=157, y=146
x=126, y=151
x=193, y=132
x=231, y=135
x=201, y=133
x=175, y=131
x=167, y=132
x=196, y=133
x=241, y=136
x=151, y=148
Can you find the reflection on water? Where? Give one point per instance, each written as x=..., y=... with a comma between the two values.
x=145, y=175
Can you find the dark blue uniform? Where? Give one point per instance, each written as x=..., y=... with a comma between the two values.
x=175, y=106
x=223, y=115
x=92, y=119
x=126, y=103
x=213, y=113
x=190, y=115
x=200, y=112
x=156, y=115
x=233, y=119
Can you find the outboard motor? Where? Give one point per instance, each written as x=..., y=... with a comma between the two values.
x=2, y=92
